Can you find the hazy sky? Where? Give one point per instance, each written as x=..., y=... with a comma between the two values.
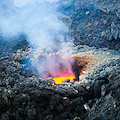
x=19, y=3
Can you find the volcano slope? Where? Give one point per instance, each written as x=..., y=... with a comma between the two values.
x=23, y=96
x=96, y=96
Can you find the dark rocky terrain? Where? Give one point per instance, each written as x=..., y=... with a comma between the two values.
x=95, y=29
x=94, y=23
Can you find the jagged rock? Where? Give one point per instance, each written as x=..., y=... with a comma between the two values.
x=77, y=118
x=103, y=74
x=103, y=34
x=4, y=116
x=97, y=88
x=114, y=31
x=86, y=106
x=118, y=15
x=104, y=89
x=10, y=69
x=31, y=112
x=114, y=84
x=48, y=117
x=60, y=108
x=105, y=106
x=104, y=10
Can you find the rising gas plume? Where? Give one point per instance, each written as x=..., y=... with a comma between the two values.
x=39, y=22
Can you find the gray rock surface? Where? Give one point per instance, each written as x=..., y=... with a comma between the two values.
x=95, y=28
x=35, y=98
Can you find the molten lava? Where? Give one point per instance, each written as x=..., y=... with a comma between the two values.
x=63, y=69
x=79, y=65
x=62, y=78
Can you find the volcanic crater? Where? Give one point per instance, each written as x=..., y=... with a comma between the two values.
x=93, y=69
x=75, y=80
x=71, y=71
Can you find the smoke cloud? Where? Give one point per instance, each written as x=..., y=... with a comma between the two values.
x=37, y=20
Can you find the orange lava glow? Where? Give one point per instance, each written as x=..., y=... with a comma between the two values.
x=59, y=80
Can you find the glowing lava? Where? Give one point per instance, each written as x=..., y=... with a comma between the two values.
x=63, y=69
x=62, y=78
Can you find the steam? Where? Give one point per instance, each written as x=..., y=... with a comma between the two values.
x=38, y=20
x=54, y=65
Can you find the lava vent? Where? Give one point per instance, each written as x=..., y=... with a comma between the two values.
x=63, y=69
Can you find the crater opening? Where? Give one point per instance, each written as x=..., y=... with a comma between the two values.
x=68, y=70
x=61, y=69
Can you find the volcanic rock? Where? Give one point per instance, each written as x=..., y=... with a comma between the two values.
x=34, y=98
x=109, y=105
x=97, y=88
x=77, y=118
x=104, y=89
x=95, y=28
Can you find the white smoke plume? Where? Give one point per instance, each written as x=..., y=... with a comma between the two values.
x=37, y=19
